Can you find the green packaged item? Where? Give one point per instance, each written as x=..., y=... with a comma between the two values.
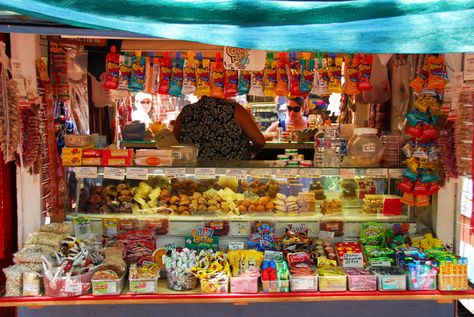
x=372, y=233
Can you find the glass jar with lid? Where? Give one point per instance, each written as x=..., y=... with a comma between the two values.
x=365, y=148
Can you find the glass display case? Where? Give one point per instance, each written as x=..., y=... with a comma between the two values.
x=264, y=114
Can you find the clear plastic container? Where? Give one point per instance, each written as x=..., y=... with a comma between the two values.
x=365, y=148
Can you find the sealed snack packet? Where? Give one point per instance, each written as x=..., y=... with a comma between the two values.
x=217, y=77
x=365, y=71
x=189, y=74
x=165, y=74
x=112, y=63
x=176, y=84
x=155, y=78
x=125, y=71
x=307, y=74
x=151, y=71
x=281, y=88
x=335, y=75
x=295, y=76
x=323, y=77
x=270, y=76
x=137, y=77
x=420, y=80
x=436, y=80
x=372, y=233
x=231, y=82
x=256, y=84
x=203, y=87
x=245, y=78
x=351, y=75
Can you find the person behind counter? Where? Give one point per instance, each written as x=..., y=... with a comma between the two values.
x=295, y=116
x=221, y=129
x=141, y=111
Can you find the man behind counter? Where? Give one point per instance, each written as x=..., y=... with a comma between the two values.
x=295, y=116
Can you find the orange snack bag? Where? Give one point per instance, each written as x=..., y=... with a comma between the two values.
x=351, y=75
x=217, y=77
x=281, y=88
x=365, y=71
x=436, y=79
x=335, y=75
x=420, y=80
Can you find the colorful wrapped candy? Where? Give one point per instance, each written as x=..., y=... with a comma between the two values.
x=178, y=265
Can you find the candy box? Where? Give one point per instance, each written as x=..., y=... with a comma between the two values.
x=421, y=282
x=117, y=157
x=181, y=282
x=68, y=286
x=244, y=284
x=276, y=286
x=91, y=161
x=147, y=157
x=304, y=283
x=392, y=279
x=361, y=279
x=108, y=287
x=72, y=156
x=332, y=279
x=215, y=285
x=453, y=282
x=78, y=140
x=143, y=286
x=89, y=153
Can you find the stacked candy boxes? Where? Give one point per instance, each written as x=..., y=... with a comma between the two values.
x=275, y=273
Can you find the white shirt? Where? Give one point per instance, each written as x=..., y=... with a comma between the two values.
x=140, y=115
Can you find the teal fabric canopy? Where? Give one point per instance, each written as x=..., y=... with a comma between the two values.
x=378, y=26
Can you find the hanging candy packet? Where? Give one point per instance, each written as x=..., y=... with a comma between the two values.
x=436, y=79
x=149, y=73
x=176, y=83
x=365, y=71
x=420, y=80
x=231, y=82
x=203, y=73
x=245, y=78
x=165, y=74
x=137, y=77
x=307, y=74
x=217, y=77
x=295, y=76
x=189, y=73
x=281, y=88
x=321, y=77
x=112, y=69
x=335, y=75
x=270, y=76
x=155, y=78
x=256, y=84
x=125, y=71
x=351, y=75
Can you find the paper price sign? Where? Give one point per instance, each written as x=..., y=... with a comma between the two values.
x=73, y=287
x=376, y=173
x=326, y=235
x=347, y=173
x=85, y=172
x=205, y=173
x=353, y=260
x=137, y=173
x=310, y=172
x=236, y=173
x=380, y=263
x=175, y=172
x=286, y=172
x=114, y=173
x=236, y=245
x=395, y=173
x=261, y=173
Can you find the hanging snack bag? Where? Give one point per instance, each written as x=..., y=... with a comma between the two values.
x=245, y=78
x=125, y=71
x=203, y=73
x=112, y=63
x=281, y=88
x=137, y=77
x=365, y=71
x=148, y=86
x=165, y=74
x=323, y=77
x=155, y=78
x=436, y=79
x=307, y=74
x=335, y=75
x=420, y=80
x=295, y=76
x=231, y=82
x=351, y=75
x=256, y=85
x=217, y=77
x=270, y=76
x=189, y=73
x=177, y=76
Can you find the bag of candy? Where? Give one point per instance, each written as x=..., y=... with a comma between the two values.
x=365, y=71
x=231, y=83
x=189, y=74
x=137, y=76
x=245, y=78
x=256, y=85
x=420, y=80
x=125, y=71
x=203, y=87
x=176, y=84
x=335, y=75
x=351, y=74
x=281, y=88
x=270, y=76
x=165, y=74
x=307, y=74
x=112, y=63
x=295, y=76
x=436, y=80
x=217, y=77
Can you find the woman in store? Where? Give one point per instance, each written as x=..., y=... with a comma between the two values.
x=222, y=130
x=295, y=117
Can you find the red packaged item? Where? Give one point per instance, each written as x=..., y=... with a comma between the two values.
x=420, y=188
x=117, y=157
x=165, y=74
x=159, y=226
x=351, y=74
x=405, y=186
x=392, y=206
x=112, y=70
x=343, y=248
x=333, y=226
x=429, y=132
x=295, y=76
x=87, y=153
x=299, y=264
x=281, y=88
x=231, y=82
x=415, y=131
x=217, y=77
x=436, y=79
x=420, y=80
x=365, y=71
x=434, y=188
x=221, y=228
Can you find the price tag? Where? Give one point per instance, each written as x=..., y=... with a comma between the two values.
x=286, y=172
x=103, y=287
x=114, y=173
x=353, y=260
x=347, y=173
x=175, y=172
x=235, y=245
x=326, y=235
x=380, y=263
x=86, y=172
x=349, y=240
x=395, y=173
x=310, y=172
x=376, y=173
x=205, y=173
x=236, y=173
x=261, y=173
x=137, y=173
x=72, y=287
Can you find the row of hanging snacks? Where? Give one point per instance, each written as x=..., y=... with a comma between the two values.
x=282, y=76
x=421, y=178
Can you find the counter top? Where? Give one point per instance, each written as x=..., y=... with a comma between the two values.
x=268, y=145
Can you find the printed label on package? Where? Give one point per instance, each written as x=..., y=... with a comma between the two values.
x=310, y=172
x=236, y=173
x=261, y=173
x=102, y=287
x=286, y=172
x=326, y=235
x=395, y=173
x=137, y=173
x=175, y=172
x=376, y=173
x=85, y=172
x=114, y=173
x=205, y=172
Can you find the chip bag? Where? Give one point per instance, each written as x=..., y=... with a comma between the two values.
x=420, y=80
x=137, y=77
x=256, y=85
x=307, y=74
x=203, y=87
x=295, y=76
x=217, y=77
x=270, y=77
x=189, y=74
x=436, y=70
x=125, y=71
x=177, y=76
x=112, y=69
x=323, y=78
x=165, y=74
x=365, y=71
x=281, y=88
x=351, y=74
x=245, y=78
x=335, y=75
x=231, y=82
